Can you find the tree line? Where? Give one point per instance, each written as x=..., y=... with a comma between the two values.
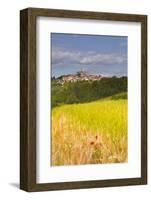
x=86, y=91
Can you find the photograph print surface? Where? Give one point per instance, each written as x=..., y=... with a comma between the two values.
x=89, y=109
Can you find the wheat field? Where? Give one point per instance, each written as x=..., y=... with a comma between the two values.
x=89, y=133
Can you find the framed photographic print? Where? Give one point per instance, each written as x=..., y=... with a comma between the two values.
x=83, y=99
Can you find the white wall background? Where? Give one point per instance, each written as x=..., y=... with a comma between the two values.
x=9, y=98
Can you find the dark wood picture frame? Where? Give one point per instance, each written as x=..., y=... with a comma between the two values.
x=28, y=98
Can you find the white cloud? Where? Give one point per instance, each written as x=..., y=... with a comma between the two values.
x=63, y=56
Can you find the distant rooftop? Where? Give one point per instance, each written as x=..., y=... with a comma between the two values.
x=82, y=73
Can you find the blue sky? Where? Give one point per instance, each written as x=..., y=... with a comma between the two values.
x=96, y=54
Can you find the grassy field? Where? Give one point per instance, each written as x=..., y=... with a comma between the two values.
x=90, y=133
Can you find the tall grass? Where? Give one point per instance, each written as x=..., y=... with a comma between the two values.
x=88, y=133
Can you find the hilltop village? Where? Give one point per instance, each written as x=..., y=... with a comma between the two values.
x=79, y=76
